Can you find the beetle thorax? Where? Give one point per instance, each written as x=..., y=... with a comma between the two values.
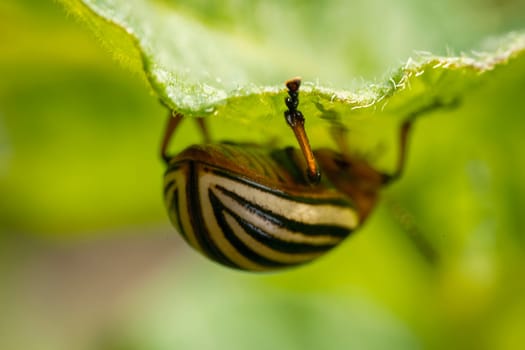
x=352, y=176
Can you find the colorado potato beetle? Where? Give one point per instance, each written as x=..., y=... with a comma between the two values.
x=254, y=208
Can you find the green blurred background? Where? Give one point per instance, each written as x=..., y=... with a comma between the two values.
x=88, y=260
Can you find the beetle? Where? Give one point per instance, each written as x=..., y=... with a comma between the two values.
x=255, y=208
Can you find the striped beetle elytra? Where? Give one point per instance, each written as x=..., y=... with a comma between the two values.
x=254, y=208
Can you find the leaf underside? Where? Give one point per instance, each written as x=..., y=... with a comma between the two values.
x=201, y=68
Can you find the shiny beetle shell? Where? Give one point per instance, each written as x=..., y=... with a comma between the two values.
x=249, y=208
x=255, y=208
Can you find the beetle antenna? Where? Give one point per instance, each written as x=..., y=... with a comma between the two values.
x=295, y=120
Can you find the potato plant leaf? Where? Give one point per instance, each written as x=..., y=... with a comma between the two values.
x=208, y=59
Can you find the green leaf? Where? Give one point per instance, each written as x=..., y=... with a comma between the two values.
x=206, y=58
x=79, y=162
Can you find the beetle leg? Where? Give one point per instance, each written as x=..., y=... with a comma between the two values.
x=405, y=131
x=174, y=120
x=340, y=136
x=401, y=160
x=204, y=129
x=407, y=223
x=295, y=120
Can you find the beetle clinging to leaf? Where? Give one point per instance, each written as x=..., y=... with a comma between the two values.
x=257, y=208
